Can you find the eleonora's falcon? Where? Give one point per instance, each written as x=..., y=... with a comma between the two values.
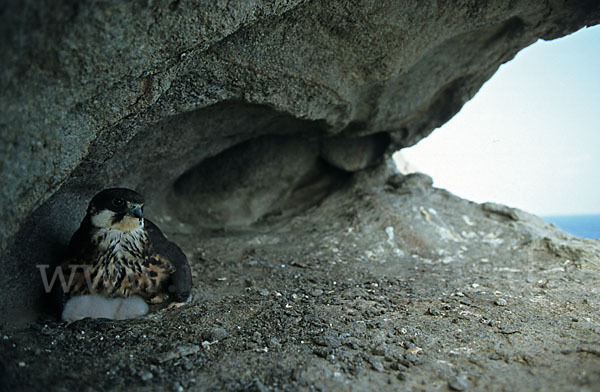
x=117, y=255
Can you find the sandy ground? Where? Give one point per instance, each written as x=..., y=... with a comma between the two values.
x=380, y=287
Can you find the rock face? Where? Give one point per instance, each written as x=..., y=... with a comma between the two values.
x=171, y=97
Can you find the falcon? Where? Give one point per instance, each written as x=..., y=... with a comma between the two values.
x=117, y=253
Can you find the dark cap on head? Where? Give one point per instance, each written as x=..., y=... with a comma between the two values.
x=115, y=199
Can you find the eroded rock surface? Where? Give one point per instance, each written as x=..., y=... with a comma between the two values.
x=81, y=82
x=256, y=130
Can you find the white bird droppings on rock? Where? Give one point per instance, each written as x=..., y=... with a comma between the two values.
x=468, y=221
x=500, y=302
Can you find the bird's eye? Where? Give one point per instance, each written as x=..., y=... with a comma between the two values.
x=118, y=202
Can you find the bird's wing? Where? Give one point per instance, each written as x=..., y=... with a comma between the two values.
x=181, y=279
x=79, y=244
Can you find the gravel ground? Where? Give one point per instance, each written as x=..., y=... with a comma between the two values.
x=381, y=287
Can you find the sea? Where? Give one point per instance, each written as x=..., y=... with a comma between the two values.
x=586, y=226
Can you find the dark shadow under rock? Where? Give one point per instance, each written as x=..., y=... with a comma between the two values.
x=263, y=177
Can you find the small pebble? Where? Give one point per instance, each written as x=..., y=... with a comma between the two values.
x=495, y=357
x=298, y=264
x=176, y=387
x=146, y=376
x=458, y=384
x=500, y=302
x=274, y=343
x=377, y=365
x=322, y=352
x=259, y=386
x=355, y=370
x=327, y=341
x=379, y=350
x=404, y=362
x=218, y=333
x=410, y=357
x=409, y=345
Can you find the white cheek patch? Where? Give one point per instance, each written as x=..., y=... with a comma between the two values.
x=97, y=306
x=103, y=218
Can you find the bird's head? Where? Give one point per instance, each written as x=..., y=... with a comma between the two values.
x=117, y=209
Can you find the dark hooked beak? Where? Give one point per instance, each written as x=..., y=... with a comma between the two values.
x=136, y=211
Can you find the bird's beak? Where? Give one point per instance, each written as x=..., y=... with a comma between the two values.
x=136, y=211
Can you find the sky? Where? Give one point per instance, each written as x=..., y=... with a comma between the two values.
x=530, y=138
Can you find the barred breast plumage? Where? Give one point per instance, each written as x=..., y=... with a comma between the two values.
x=117, y=253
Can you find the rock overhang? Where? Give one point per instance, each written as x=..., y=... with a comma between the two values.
x=143, y=95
